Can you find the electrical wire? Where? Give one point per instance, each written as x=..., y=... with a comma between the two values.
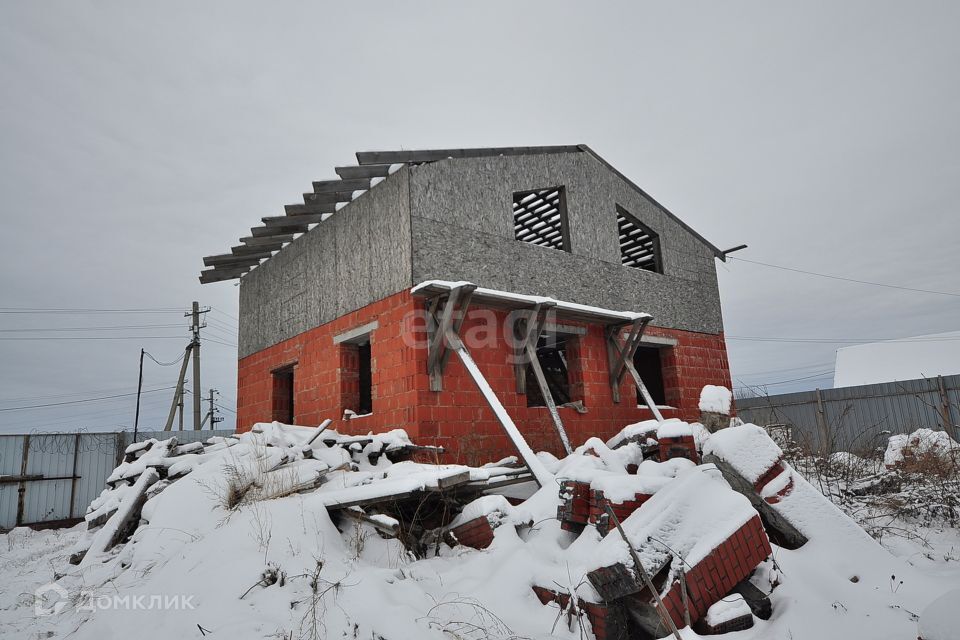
x=57, y=404
x=165, y=364
x=845, y=279
x=822, y=374
x=839, y=340
x=67, y=310
x=110, y=328
x=91, y=338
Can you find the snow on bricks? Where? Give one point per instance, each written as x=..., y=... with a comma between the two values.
x=695, y=526
x=368, y=543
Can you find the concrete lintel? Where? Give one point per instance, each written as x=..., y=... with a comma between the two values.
x=556, y=327
x=659, y=341
x=356, y=332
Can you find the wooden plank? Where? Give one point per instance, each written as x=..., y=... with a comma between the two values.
x=282, y=221
x=218, y=275
x=265, y=232
x=366, y=171
x=244, y=250
x=334, y=186
x=432, y=155
x=121, y=523
x=233, y=259
x=329, y=197
x=309, y=208
x=267, y=240
x=541, y=475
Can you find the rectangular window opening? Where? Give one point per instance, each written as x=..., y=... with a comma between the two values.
x=540, y=218
x=282, y=396
x=553, y=354
x=356, y=376
x=639, y=244
x=365, y=404
x=649, y=365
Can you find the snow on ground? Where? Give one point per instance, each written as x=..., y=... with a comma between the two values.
x=279, y=568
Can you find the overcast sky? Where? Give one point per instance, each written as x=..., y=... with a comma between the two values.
x=137, y=138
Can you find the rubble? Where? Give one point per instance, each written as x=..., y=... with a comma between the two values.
x=664, y=526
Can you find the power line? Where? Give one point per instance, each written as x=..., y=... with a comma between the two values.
x=845, y=279
x=839, y=340
x=105, y=328
x=67, y=310
x=57, y=404
x=92, y=338
x=819, y=365
x=822, y=374
x=165, y=364
x=232, y=317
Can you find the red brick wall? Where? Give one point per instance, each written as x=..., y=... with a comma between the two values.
x=458, y=418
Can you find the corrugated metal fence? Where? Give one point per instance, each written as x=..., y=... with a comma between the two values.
x=52, y=477
x=862, y=417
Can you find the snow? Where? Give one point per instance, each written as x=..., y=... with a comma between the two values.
x=923, y=356
x=493, y=505
x=747, y=447
x=684, y=521
x=353, y=583
x=715, y=399
x=635, y=431
x=674, y=428
x=620, y=487
x=522, y=299
x=731, y=607
x=941, y=619
x=920, y=442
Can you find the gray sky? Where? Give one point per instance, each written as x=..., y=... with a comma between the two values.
x=137, y=138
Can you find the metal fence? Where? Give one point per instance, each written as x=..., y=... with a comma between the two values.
x=859, y=418
x=50, y=478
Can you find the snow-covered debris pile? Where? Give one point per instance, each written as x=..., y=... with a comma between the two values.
x=308, y=533
x=920, y=447
x=715, y=399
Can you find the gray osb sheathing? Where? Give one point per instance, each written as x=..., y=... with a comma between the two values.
x=453, y=220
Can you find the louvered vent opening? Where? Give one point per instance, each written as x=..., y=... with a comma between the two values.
x=639, y=245
x=540, y=218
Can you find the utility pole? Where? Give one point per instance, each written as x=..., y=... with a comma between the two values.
x=211, y=412
x=195, y=329
x=136, y=418
x=180, y=407
x=192, y=349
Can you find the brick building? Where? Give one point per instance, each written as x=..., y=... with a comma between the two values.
x=344, y=301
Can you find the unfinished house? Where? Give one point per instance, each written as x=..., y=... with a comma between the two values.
x=444, y=291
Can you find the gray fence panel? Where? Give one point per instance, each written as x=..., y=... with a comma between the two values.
x=861, y=417
x=97, y=458
x=51, y=456
x=88, y=456
x=11, y=453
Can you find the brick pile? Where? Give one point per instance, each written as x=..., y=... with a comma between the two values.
x=608, y=622
x=476, y=533
x=623, y=510
x=678, y=447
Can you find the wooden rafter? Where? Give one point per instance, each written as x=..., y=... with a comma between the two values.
x=235, y=260
x=366, y=171
x=280, y=237
x=620, y=359
x=526, y=354
x=342, y=186
x=443, y=316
